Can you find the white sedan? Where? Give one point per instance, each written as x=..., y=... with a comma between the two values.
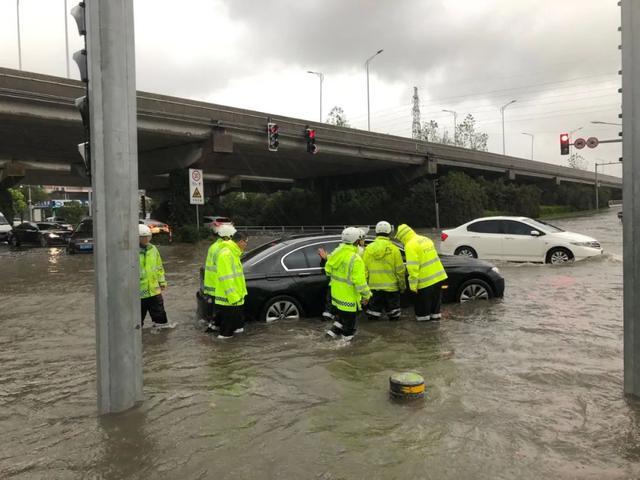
x=517, y=239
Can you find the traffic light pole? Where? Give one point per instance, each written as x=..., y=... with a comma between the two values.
x=112, y=100
x=631, y=192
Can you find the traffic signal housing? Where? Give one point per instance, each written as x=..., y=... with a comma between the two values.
x=272, y=136
x=564, y=144
x=310, y=135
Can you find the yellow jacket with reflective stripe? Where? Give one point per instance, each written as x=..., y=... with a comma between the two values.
x=385, y=269
x=348, y=281
x=151, y=272
x=231, y=287
x=423, y=264
x=210, y=275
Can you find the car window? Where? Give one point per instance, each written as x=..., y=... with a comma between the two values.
x=3, y=221
x=311, y=252
x=544, y=226
x=47, y=226
x=512, y=227
x=486, y=226
x=85, y=227
x=296, y=259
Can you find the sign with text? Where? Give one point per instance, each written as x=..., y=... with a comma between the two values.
x=196, y=187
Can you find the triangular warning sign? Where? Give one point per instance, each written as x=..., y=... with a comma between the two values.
x=196, y=193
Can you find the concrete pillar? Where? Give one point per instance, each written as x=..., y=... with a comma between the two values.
x=112, y=100
x=631, y=188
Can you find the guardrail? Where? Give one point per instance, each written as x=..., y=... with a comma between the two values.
x=298, y=228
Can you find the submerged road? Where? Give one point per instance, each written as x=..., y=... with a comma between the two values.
x=526, y=387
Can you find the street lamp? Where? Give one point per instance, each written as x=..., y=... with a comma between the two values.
x=532, y=137
x=598, y=122
x=455, y=125
x=502, y=108
x=366, y=66
x=19, y=42
x=321, y=77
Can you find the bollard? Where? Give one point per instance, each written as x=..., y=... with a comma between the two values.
x=406, y=385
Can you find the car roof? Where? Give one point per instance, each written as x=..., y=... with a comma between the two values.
x=521, y=219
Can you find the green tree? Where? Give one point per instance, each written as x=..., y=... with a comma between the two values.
x=461, y=199
x=468, y=137
x=72, y=212
x=337, y=117
x=430, y=132
x=577, y=161
x=37, y=193
x=18, y=201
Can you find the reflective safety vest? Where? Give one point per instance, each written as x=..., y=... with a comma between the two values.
x=385, y=268
x=423, y=264
x=348, y=281
x=230, y=287
x=210, y=274
x=151, y=272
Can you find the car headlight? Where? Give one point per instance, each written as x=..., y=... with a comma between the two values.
x=53, y=235
x=495, y=269
x=586, y=244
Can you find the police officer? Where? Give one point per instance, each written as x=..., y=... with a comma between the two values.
x=152, y=281
x=230, y=288
x=346, y=271
x=211, y=279
x=426, y=273
x=385, y=274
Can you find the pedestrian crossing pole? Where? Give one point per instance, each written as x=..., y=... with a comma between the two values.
x=631, y=191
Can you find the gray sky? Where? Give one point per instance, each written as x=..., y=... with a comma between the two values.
x=558, y=58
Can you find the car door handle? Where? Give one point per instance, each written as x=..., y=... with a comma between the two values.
x=304, y=274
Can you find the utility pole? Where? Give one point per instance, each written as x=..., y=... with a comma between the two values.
x=631, y=192
x=366, y=66
x=597, y=186
x=455, y=125
x=19, y=39
x=532, y=138
x=114, y=164
x=321, y=77
x=416, y=127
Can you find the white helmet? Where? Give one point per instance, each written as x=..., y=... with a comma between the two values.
x=144, y=231
x=384, y=227
x=352, y=235
x=226, y=230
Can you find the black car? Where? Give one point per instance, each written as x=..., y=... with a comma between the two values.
x=40, y=233
x=81, y=240
x=286, y=280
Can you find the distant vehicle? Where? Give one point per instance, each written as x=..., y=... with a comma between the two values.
x=44, y=234
x=518, y=239
x=157, y=227
x=5, y=228
x=215, y=220
x=620, y=214
x=81, y=240
x=285, y=278
x=60, y=221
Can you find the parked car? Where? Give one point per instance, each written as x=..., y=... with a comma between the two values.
x=41, y=233
x=285, y=279
x=5, y=228
x=81, y=240
x=210, y=221
x=517, y=239
x=158, y=228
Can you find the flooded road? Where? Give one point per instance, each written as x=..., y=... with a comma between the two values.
x=526, y=387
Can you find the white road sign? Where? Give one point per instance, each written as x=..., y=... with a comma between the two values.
x=196, y=187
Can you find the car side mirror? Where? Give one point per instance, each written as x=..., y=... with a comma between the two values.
x=535, y=233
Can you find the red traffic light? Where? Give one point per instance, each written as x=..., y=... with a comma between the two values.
x=564, y=144
x=564, y=137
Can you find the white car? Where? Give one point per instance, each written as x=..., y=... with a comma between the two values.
x=5, y=228
x=517, y=239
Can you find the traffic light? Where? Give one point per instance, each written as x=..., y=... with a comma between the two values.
x=310, y=135
x=82, y=103
x=564, y=144
x=272, y=136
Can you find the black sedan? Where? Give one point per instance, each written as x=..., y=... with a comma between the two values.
x=44, y=234
x=81, y=240
x=286, y=280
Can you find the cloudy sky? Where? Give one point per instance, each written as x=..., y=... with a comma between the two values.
x=558, y=58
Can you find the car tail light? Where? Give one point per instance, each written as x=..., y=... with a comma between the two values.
x=443, y=236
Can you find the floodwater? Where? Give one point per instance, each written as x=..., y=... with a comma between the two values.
x=526, y=387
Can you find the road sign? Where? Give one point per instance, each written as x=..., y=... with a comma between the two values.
x=592, y=142
x=196, y=187
x=579, y=143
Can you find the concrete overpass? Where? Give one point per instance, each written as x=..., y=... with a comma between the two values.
x=41, y=128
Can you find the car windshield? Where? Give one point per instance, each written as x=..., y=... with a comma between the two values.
x=47, y=226
x=544, y=226
x=3, y=221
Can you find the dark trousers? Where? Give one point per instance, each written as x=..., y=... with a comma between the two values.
x=155, y=306
x=330, y=310
x=229, y=318
x=384, y=302
x=345, y=323
x=427, y=302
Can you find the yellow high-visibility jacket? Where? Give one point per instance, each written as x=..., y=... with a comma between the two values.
x=423, y=264
x=231, y=287
x=385, y=268
x=210, y=274
x=151, y=272
x=348, y=281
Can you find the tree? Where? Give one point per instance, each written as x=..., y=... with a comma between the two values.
x=72, y=212
x=337, y=117
x=18, y=201
x=577, y=161
x=37, y=193
x=468, y=137
x=430, y=132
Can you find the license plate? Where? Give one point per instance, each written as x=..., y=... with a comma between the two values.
x=85, y=246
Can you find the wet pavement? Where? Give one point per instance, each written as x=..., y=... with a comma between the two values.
x=525, y=387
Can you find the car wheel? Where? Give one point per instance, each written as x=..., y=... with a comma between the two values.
x=557, y=256
x=14, y=241
x=465, y=251
x=43, y=242
x=282, y=307
x=474, y=289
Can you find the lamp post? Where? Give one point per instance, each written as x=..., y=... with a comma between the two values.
x=598, y=122
x=366, y=66
x=19, y=42
x=455, y=125
x=502, y=109
x=321, y=77
x=532, y=137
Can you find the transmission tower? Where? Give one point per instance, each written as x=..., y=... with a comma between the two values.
x=416, y=129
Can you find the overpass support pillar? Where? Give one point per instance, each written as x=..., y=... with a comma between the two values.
x=511, y=175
